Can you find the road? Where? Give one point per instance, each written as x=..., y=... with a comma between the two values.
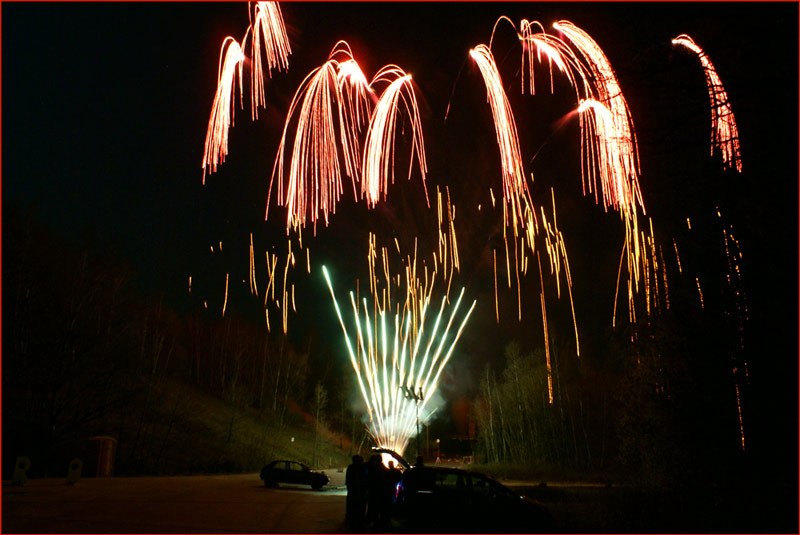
x=180, y=504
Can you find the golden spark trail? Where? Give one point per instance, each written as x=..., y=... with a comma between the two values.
x=700, y=292
x=724, y=133
x=546, y=339
x=225, y=302
x=677, y=256
x=253, y=282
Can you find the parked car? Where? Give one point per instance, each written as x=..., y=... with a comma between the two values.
x=292, y=472
x=448, y=500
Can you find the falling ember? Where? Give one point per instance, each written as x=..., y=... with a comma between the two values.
x=546, y=338
x=225, y=302
x=699, y=292
x=739, y=408
x=267, y=26
x=677, y=256
x=378, y=165
x=231, y=61
x=724, y=133
x=253, y=283
x=664, y=272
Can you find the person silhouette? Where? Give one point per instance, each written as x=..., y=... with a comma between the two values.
x=356, y=482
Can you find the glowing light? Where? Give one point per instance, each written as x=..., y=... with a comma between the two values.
x=253, y=282
x=724, y=133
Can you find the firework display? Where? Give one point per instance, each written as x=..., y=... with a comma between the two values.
x=266, y=25
x=340, y=125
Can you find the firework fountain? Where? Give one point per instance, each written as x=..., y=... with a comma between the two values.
x=407, y=356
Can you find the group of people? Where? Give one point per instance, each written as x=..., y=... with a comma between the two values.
x=371, y=490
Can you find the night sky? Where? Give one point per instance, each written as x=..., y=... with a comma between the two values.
x=104, y=116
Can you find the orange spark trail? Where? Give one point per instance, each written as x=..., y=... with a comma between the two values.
x=231, y=61
x=724, y=133
x=624, y=190
x=515, y=189
x=378, y=162
x=546, y=338
x=610, y=167
x=267, y=26
x=314, y=176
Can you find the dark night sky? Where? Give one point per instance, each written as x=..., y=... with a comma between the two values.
x=105, y=109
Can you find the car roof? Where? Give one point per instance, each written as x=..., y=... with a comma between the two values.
x=394, y=454
x=451, y=470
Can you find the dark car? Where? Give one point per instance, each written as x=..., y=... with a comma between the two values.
x=449, y=500
x=292, y=472
x=391, y=455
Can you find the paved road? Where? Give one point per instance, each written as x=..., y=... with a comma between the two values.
x=181, y=504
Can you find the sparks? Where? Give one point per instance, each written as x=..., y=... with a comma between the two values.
x=231, y=61
x=724, y=133
x=515, y=189
x=390, y=361
x=314, y=182
x=379, y=147
x=269, y=35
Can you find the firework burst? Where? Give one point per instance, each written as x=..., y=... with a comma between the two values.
x=515, y=189
x=269, y=36
x=379, y=146
x=231, y=61
x=314, y=182
x=724, y=133
x=266, y=24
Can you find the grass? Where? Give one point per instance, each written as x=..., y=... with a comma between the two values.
x=187, y=432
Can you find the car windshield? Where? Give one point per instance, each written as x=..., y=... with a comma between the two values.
x=390, y=455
